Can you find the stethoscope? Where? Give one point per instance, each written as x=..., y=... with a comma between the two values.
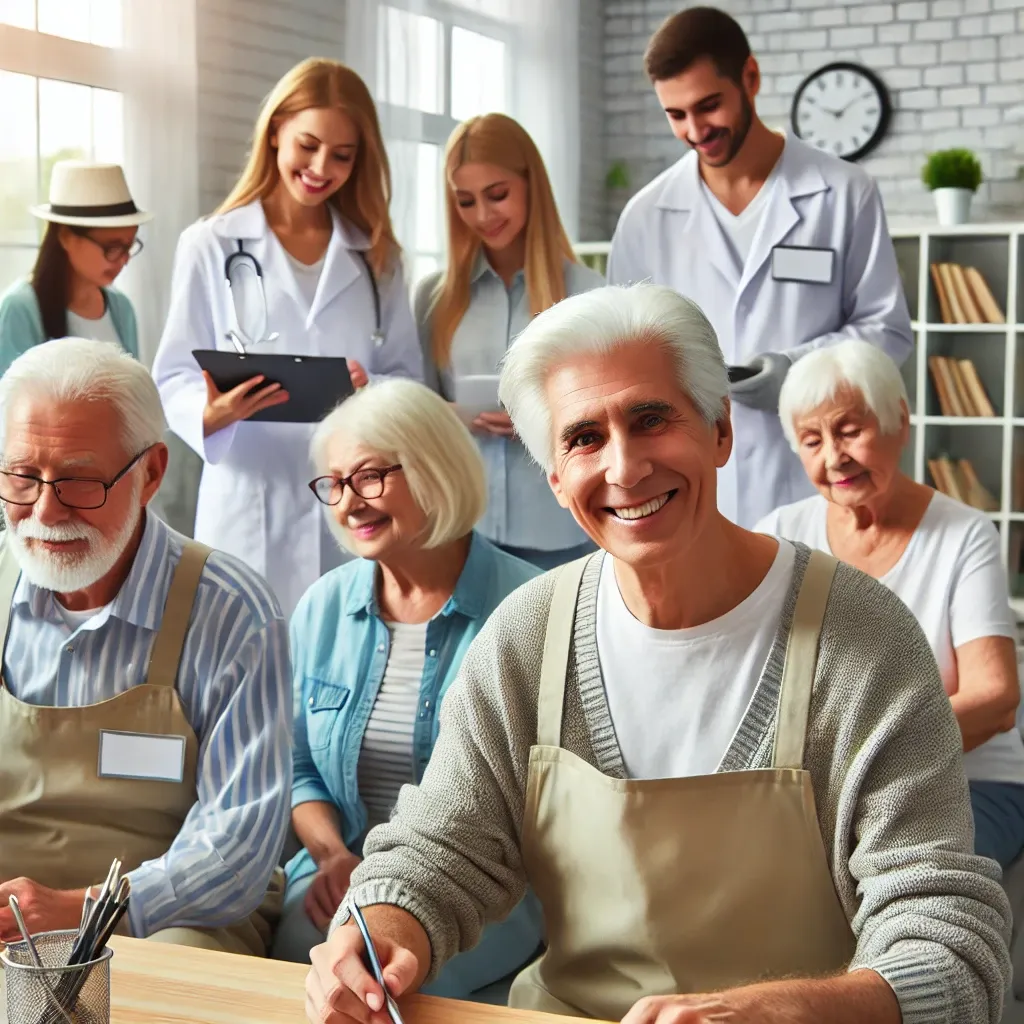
x=240, y=258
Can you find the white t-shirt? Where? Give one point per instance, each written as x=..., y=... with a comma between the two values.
x=95, y=330
x=951, y=576
x=307, y=276
x=386, y=757
x=677, y=696
x=740, y=229
x=75, y=619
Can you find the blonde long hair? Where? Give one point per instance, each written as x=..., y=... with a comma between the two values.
x=366, y=197
x=497, y=139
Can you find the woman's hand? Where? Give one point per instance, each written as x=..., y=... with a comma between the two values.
x=359, y=376
x=324, y=896
x=226, y=407
x=340, y=990
x=496, y=423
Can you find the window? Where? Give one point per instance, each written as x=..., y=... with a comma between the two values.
x=436, y=66
x=47, y=118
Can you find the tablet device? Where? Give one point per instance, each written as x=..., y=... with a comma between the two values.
x=477, y=393
x=315, y=384
x=738, y=373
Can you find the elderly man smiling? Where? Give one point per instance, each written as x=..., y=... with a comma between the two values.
x=145, y=705
x=725, y=764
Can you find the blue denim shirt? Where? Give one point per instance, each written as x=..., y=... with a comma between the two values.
x=340, y=648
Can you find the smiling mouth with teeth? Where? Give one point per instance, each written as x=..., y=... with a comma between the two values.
x=648, y=508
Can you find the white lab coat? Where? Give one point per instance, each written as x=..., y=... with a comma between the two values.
x=253, y=497
x=668, y=233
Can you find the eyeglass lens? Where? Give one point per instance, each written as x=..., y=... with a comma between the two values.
x=367, y=483
x=20, y=490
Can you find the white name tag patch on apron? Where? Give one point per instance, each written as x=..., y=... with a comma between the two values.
x=133, y=755
x=799, y=263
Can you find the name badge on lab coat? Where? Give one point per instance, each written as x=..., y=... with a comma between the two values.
x=133, y=755
x=803, y=263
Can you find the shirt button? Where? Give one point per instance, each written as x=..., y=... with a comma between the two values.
x=433, y=654
x=380, y=647
x=70, y=650
x=426, y=703
x=310, y=701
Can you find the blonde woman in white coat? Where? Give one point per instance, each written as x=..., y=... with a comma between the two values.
x=312, y=208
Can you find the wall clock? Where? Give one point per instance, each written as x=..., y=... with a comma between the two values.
x=842, y=109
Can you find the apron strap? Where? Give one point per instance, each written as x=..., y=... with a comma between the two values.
x=166, y=654
x=802, y=660
x=10, y=573
x=554, y=669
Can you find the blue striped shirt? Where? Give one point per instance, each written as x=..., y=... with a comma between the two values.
x=235, y=688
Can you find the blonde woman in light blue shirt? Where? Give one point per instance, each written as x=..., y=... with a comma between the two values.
x=509, y=258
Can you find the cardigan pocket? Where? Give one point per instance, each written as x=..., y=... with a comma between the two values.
x=323, y=712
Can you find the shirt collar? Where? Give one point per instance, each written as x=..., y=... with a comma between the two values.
x=137, y=601
x=482, y=267
x=467, y=599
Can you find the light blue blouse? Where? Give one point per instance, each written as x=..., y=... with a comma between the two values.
x=521, y=510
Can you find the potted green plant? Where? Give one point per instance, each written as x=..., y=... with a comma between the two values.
x=952, y=176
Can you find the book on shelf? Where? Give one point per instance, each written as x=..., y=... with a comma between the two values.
x=959, y=387
x=964, y=296
x=957, y=479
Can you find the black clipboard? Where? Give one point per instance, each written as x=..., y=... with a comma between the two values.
x=315, y=384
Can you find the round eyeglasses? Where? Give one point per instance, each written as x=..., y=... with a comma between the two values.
x=367, y=483
x=72, y=491
x=115, y=251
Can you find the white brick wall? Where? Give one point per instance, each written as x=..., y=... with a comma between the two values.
x=593, y=167
x=243, y=48
x=955, y=69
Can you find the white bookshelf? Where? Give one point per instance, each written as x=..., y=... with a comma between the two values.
x=995, y=445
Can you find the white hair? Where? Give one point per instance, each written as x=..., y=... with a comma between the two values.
x=77, y=369
x=820, y=375
x=597, y=322
x=406, y=422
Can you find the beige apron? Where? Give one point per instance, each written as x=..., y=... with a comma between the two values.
x=652, y=887
x=60, y=823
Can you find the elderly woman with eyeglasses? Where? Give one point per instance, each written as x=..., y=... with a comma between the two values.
x=377, y=642
x=844, y=411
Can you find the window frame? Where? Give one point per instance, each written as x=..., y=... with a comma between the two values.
x=40, y=55
x=408, y=125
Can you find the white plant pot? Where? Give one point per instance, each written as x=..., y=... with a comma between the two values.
x=953, y=205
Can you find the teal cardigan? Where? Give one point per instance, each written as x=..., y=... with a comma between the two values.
x=21, y=326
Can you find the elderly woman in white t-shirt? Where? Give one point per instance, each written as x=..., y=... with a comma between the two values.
x=844, y=411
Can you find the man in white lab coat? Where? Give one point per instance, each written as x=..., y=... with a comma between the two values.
x=783, y=246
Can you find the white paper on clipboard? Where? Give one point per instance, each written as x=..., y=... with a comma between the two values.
x=477, y=393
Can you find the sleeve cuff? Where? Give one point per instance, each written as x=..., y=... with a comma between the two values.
x=306, y=791
x=394, y=894
x=919, y=988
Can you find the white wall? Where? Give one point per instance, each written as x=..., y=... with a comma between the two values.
x=955, y=69
x=243, y=48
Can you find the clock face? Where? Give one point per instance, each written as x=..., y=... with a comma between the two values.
x=841, y=109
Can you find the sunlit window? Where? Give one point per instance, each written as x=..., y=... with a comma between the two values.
x=88, y=21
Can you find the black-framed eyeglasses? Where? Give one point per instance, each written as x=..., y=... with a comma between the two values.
x=367, y=483
x=114, y=251
x=71, y=491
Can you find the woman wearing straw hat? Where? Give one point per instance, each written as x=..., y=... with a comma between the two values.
x=91, y=235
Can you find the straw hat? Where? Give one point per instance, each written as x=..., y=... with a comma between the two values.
x=90, y=195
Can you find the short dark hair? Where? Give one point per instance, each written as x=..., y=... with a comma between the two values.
x=688, y=36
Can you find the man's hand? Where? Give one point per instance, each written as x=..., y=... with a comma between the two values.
x=324, y=896
x=44, y=910
x=340, y=990
x=860, y=997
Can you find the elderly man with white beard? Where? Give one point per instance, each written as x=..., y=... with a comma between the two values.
x=145, y=701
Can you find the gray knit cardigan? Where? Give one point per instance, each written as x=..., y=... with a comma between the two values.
x=883, y=750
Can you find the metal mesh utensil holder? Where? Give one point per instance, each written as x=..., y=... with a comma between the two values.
x=28, y=1001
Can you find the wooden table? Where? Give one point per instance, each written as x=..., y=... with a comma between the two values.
x=154, y=983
